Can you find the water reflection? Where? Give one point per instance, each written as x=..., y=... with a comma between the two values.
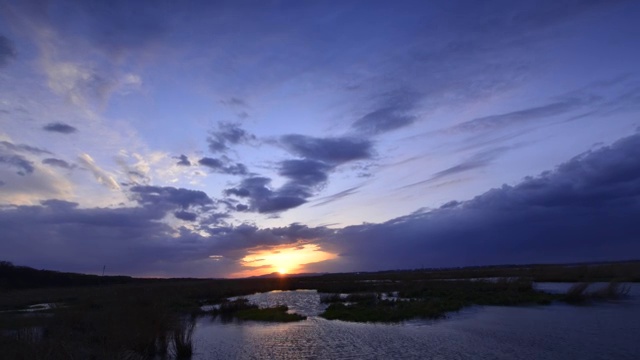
x=303, y=302
x=602, y=331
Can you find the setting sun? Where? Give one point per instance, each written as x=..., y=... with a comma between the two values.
x=284, y=260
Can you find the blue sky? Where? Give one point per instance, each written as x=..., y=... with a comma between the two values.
x=239, y=138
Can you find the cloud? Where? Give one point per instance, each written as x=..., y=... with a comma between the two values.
x=334, y=150
x=170, y=197
x=223, y=167
x=183, y=160
x=584, y=210
x=77, y=82
x=265, y=200
x=12, y=156
x=128, y=240
x=27, y=181
x=305, y=172
x=18, y=162
x=232, y=241
x=478, y=160
x=7, y=51
x=393, y=113
x=23, y=148
x=58, y=163
x=383, y=120
x=60, y=128
x=305, y=177
x=102, y=176
x=337, y=196
x=226, y=135
x=495, y=122
x=233, y=101
x=185, y=215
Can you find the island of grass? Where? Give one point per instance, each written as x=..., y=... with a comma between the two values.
x=433, y=299
x=274, y=314
x=243, y=310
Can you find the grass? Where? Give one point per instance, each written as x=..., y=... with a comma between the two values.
x=578, y=294
x=390, y=311
x=243, y=310
x=144, y=319
x=433, y=299
x=182, y=340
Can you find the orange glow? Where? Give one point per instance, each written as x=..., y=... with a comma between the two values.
x=283, y=260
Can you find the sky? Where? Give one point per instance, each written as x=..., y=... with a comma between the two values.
x=240, y=138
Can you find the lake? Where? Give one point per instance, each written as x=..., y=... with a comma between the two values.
x=607, y=330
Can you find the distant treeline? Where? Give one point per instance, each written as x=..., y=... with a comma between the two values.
x=23, y=277
x=624, y=271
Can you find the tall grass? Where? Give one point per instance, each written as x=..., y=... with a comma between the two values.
x=612, y=291
x=182, y=341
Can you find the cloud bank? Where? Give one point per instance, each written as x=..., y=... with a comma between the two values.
x=585, y=209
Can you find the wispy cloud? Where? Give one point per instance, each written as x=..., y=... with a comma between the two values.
x=102, y=176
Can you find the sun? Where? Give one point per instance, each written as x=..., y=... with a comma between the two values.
x=282, y=271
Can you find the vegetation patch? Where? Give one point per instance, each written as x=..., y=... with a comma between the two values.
x=274, y=314
x=243, y=310
x=389, y=311
x=433, y=299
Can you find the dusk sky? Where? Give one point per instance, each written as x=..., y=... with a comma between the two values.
x=238, y=138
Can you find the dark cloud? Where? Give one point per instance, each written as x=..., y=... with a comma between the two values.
x=584, y=210
x=265, y=200
x=223, y=167
x=185, y=215
x=58, y=163
x=330, y=150
x=306, y=173
x=228, y=134
x=163, y=196
x=305, y=177
x=23, y=148
x=232, y=239
x=60, y=128
x=128, y=240
x=18, y=162
x=239, y=192
x=183, y=160
x=7, y=51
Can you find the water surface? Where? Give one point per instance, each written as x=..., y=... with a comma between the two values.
x=607, y=330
